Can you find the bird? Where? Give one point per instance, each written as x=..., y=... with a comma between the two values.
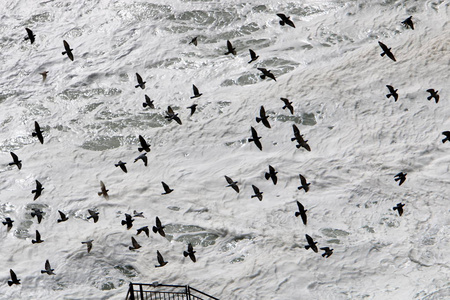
x=327, y=252
x=88, y=244
x=161, y=261
x=301, y=212
x=142, y=156
x=48, y=269
x=93, y=215
x=305, y=185
x=433, y=94
x=144, y=229
x=44, y=75
x=400, y=177
x=257, y=194
x=167, y=189
x=122, y=166
x=266, y=73
x=262, y=117
x=14, y=279
x=128, y=221
x=255, y=138
x=38, y=238
x=271, y=174
x=30, y=36
x=63, y=217
x=68, y=50
x=37, y=192
x=172, y=116
x=194, y=41
x=230, y=49
x=144, y=146
x=399, y=208
x=190, y=252
x=447, y=136
x=135, y=245
x=386, y=51
x=38, y=132
x=253, y=56
x=16, y=161
x=288, y=105
x=193, y=107
x=148, y=102
x=392, y=92
x=285, y=20
x=232, y=183
x=8, y=222
x=196, y=92
x=103, y=191
x=299, y=138
x=408, y=23
x=159, y=228
x=138, y=214
x=141, y=83
x=38, y=214
x=311, y=244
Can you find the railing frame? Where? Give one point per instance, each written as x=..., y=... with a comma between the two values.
x=141, y=292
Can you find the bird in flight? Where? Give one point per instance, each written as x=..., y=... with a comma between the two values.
x=63, y=217
x=408, y=23
x=392, y=92
x=401, y=177
x=38, y=238
x=148, y=102
x=311, y=244
x=386, y=51
x=141, y=83
x=37, y=192
x=103, y=191
x=301, y=212
x=399, y=208
x=88, y=244
x=194, y=41
x=68, y=50
x=190, y=252
x=161, y=261
x=14, y=279
x=196, y=92
x=255, y=138
x=285, y=20
x=93, y=215
x=305, y=185
x=263, y=117
x=327, y=252
x=143, y=229
x=232, y=184
x=172, y=116
x=38, y=132
x=230, y=49
x=253, y=56
x=16, y=161
x=30, y=35
x=288, y=105
x=121, y=164
x=128, y=221
x=266, y=73
x=272, y=174
x=258, y=193
x=135, y=244
x=167, y=189
x=433, y=94
x=447, y=136
x=144, y=146
x=143, y=157
x=159, y=228
x=8, y=222
x=48, y=269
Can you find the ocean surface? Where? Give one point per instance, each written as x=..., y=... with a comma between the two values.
x=329, y=66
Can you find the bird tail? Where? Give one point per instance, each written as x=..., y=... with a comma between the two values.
x=144, y=104
x=34, y=134
x=382, y=54
x=59, y=220
x=388, y=95
x=34, y=242
x=250, y=140
x=33, y=214
x=444, y=140
x=307, y=247
x=267, y=175
x=262, y=76
x=282, y=23
x=300, y=187
x=429, y=97
x=155, y=230
x=297, y=214
x=64, y=52
x=395, y=208
x=140, y=149
x=298, y=146
x=42, y=271
x=185, y=253
x=99, y=193
x=258, y=120
x=124, y=222
x=10, y=282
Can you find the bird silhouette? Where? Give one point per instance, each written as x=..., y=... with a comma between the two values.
x=263, y=117
x=255, y=138
x=135, y=245
x=16, y=161
x=37, y=192
x=327, y=252
x=196, y=92
x=230, y=49
x=266, y=73
x=30, y=35
x=400, y=177
x=148, y=102
x=408, y=23
x=144, y=146
x=93, y=215
x=288, y=105
x=167, y=189
x=301, y=212
x=232, y=184
x=193, y=107
x=159, y=228
x=103, y=191
x=143, y=157
x=141, y=83
x=88, y=244
x=48, y=269
x=144, y=229
x=399, y=208
x=285, y=20
x=14, y=279
x=392, y=92
x=38, y=132
x=253, y=56
x=386, y=51
x=194, y=41
x=63, y=217
x=161, y=261
x=190, y=252
x=128, y=221
x=138, y=214
x=44, y=75
x=9, y=223
x=38, y=238
x=68, y=50
x=121, y=164
x=36, y=212
x=172, y=116
x=257, y=194
x=299, y=138
x=272, y=174
x=311, y=244
x=447, y=136
x=305, y=185
x=433, y=94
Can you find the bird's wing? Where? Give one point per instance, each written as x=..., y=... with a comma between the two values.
x=38, y=236
x=13, y=275
x=309, y=239
x=158, y=222
x=235, y=187
x=296, y=130
x=229, y=46
x=255, y=189
x=66, y=45
x=142, y=141
x=165, y=186
x=38, y=185
x=14, y=156
x=300, y=206
x=135, y=244
x=47, y=265
x=430, y=91
x=37, y=127
x=262, y=111
x=252, y=53
x=447, y=133
x=195, y=89
x=102, y=185
x=264, y=70
x=160, y=257
x=302, y=179
x=282, y=16
x=190, y=248
x=391, y=88
x=229, y=180
x=383, y=46
x=63, y=216
x=169, y=110
x=139, y=78
x=254, y=133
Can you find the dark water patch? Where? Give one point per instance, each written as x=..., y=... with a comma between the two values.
x=127, y=270
x=233, y=243
x=330, y=232
x=102, y=143
x=87, y=94
x=308, y=119
x=203, y=239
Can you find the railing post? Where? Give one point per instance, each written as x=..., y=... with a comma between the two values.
x=131, y=292
x=141, y=291
x=188, y=292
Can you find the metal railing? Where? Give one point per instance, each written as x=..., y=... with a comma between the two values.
x=156, y=291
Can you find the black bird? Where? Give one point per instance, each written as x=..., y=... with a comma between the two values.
x=38, y=238
x=257, y=194
x=172, y=116
x=144, y=146
x=194, y=41
x=142, y=156
x=230, y=49
x=30, y=34
x=399, y=208
x=327, y=252
x=433, y=94
x=285, y=20
x=37, y=192
x=386, y=51
x=159, y=228
x=311, y=244
x=400, y=176
x=122, y=166
x=135, y=244
x=190, y=252
x=232, y=183
x=447, y=136
x=408, y=23
x=8, y=222
x=167, y=189
x=16, y=161
x=38, y=132
x=63, y=217
x=144, y=229
x=266, y=73
x=193, y=107
x=392, y=92
x=255, y=138
x=299, y=138
x=271, y=174
x=88, y=244
x=305, y=185
x=148, y=102
x=301, y=212
x=141, y=83
x=161, y=261
x=93, y=215
x=263, y=117
x=14, y=279
x=48, y=269
x=128, y=221
x=253, y=56
x=68, y=50
x=138, y=214
x=44, y=75
x=196, y=92
x=37, y=213
x=103, y=191
x=288, y=105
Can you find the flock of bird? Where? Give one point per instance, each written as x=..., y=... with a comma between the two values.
x=172, y=116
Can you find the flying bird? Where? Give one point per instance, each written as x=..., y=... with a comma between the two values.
x=144, y=158
x=327, y=252
x=138, y=214
x=172, y=116
x=408, y=23
x=121, y=164
x=63, y=217
x=255, y=138
x=44, y=75
x=447, y=136
x=190, y=252
x=299, y=138
x=311, y=244
x=301, y=212
x=193, y=107
x=386, y=51
x=257, y=194
x=36, y=212
x=230, y=49
x=148, y=102
x=135, y=244
x=392, y=92
x=144, y=229
x=14, y=279
x=128, y=221
x=30, y=36
x=38, y=238
x=232, y=183
x=167, y=189
x=285, y=20
x=253, y=56
x=37, y=192
x=194, y=41
x=159, y=228
x=272, y=174
x=196, y=92
x=68, y=50
x=161, y=261
x=8, y=222
x=48, y=269
x=141, y=83
x=103, y=191
x=263, y=117
x=433, y=94
x=266, y=73
x=399, y=208
x=38, y=132
x=288, y=105
x=400, y=177
x=305, y=185
x=88, y=244
x=16, y=161
x=93, y=215
x=144, y=146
